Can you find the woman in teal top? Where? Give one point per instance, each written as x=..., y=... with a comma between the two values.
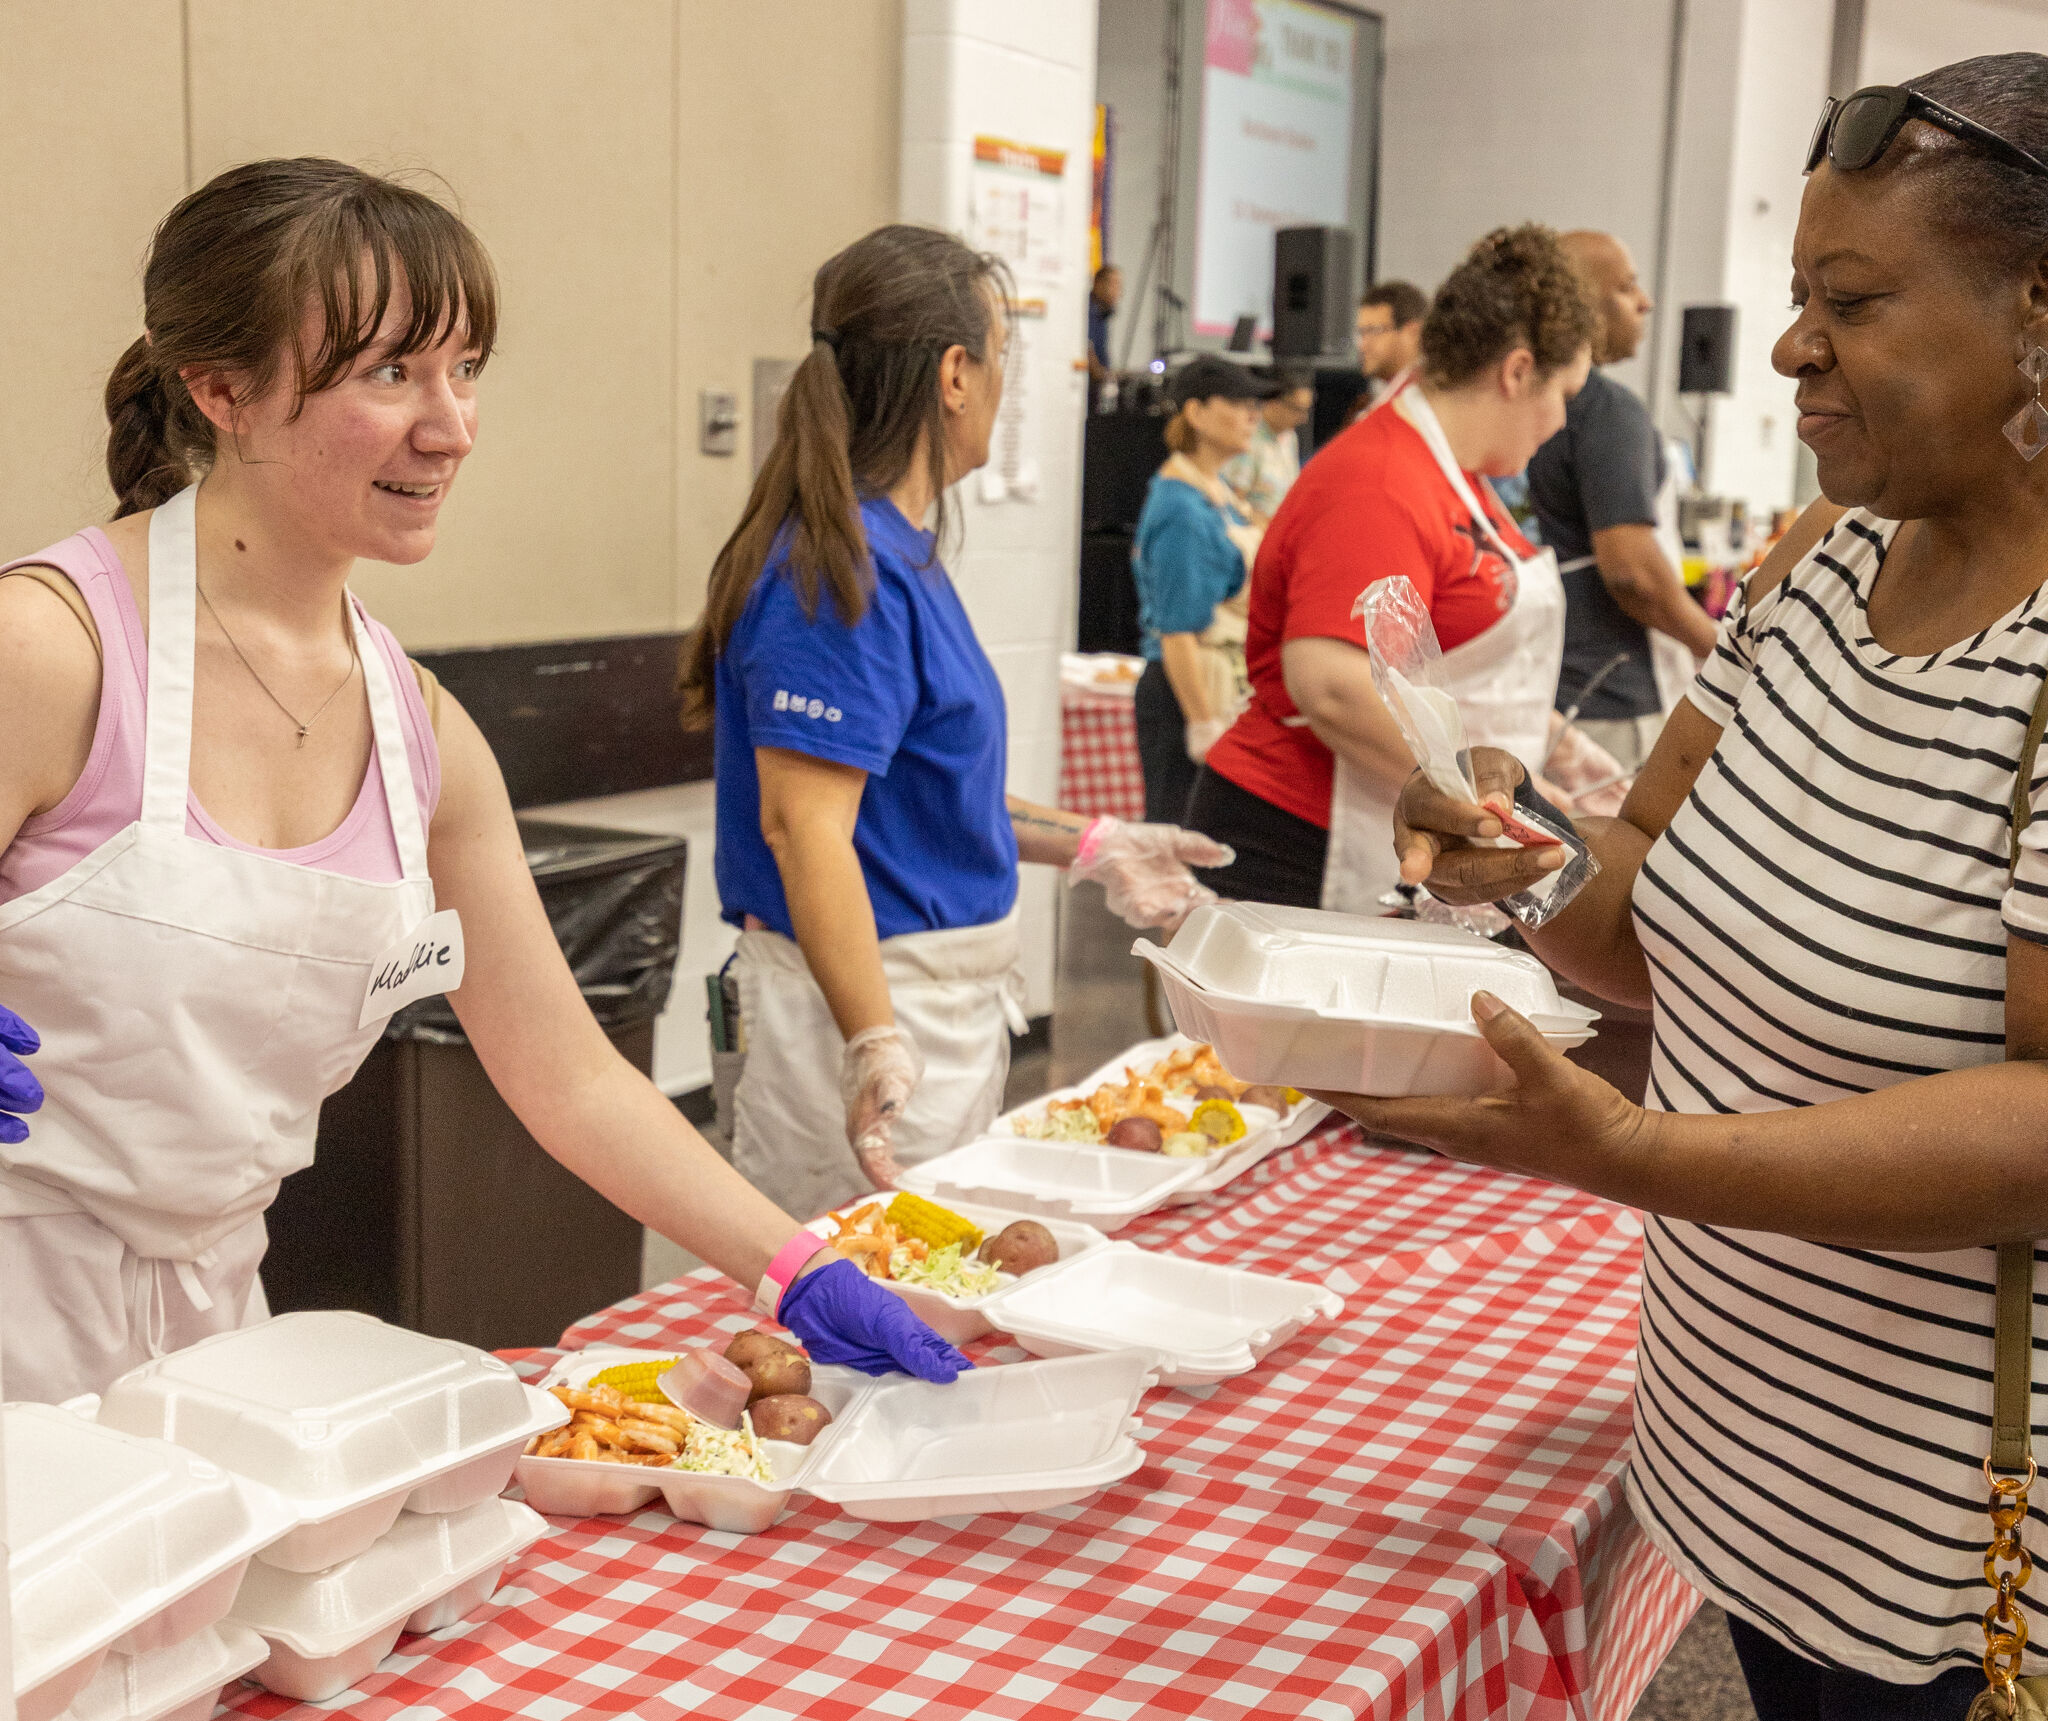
x=1193, y=551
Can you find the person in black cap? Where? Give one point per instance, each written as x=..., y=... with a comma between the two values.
x=1194, y=549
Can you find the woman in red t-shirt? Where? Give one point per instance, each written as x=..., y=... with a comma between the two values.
x=1303, y=784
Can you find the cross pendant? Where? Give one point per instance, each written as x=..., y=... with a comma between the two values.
x=302, y=736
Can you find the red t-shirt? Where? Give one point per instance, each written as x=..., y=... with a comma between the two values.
x=1371, y=505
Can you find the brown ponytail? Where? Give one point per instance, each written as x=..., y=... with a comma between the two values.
x=232, y=271
x=883, y=313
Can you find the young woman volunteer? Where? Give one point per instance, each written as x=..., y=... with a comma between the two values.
x=230, y=811
x=1194, y=548
x=1303, y=785
x=1821, y=884
x=865, y=842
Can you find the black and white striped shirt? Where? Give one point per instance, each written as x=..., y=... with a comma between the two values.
x=1828, y=915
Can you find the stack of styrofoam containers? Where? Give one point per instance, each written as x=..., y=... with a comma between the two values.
x=126, y=1556
x=389, y=1450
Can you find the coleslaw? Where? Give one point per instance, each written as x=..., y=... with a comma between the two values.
x=944, y=1271
x=709, y=1451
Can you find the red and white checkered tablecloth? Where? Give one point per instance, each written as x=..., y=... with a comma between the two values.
x=1099, y=768
x=1412, y=1513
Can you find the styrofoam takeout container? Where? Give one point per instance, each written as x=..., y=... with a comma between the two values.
x=1020, y=1438
x=351, y=1420
x=181, y=1682
x=1106, y=1187
x=326, y=1630
x=119, y=1543
x=1361, y=1005
x=738, y=1505
x=1203, y=1322
x=1012, y=1439
x=1266, y=1133
x=960, y=1320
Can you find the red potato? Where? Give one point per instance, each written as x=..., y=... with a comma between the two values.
x=1267, y=1095
x=1021, y=1247
x=772, y=1368
x=1140, y=1134
x=790, y=1416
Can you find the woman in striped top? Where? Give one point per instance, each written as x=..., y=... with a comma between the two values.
x=1848, y=1099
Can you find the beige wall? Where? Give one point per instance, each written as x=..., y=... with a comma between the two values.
x=656, y=179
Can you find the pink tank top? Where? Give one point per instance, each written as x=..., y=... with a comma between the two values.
x=107, y=797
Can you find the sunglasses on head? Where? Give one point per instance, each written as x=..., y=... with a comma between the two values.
x=1855, y=133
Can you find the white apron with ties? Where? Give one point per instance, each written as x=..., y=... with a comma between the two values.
x=958, y=994
x=1504, y=680
x=196, y=1004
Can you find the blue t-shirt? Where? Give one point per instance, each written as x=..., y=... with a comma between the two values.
x=1184, y=561
x=907, y=695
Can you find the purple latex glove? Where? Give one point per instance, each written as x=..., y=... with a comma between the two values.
x=19, y=1090
x=844, y=1316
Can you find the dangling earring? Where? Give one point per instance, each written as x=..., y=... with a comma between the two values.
x=2027, y=429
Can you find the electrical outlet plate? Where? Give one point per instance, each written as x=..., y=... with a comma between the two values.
x=718, y=421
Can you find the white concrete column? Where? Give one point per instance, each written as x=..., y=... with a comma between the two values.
x=1025, y=74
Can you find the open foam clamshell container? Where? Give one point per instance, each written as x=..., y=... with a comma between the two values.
x=179, y=1683
x=960, y=1320
x=351, y=1420
x=1204, y=1323
x=1313, y=999
x=1012, y=1439
x=1106, y=1187
x=327, y=1630
x=1266, y=1132
x=119, y=1544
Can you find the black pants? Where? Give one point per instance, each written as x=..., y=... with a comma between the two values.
x=1279, y=856
x=1163, y=749
x=1788, y=1687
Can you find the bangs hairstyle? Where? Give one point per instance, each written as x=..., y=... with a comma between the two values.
x=233, y=271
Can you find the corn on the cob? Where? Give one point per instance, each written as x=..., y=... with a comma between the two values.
x=913, y=1216
x=635, y=1380
x=1219, y=1120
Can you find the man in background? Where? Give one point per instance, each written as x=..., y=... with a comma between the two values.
x=1104, y=293
x=1266, y=471
x=1389, y=334
x=1599, y=490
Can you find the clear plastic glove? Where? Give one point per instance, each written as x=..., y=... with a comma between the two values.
x=1202, y=733
x=844, y=1316
x=19, y=1089
x=880, y=1072
x=1144, y=869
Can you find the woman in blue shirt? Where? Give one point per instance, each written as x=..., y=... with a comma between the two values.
x=866, y=846
x=1193, y=549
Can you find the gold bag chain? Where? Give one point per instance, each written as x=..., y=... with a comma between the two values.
x=2009, y=1466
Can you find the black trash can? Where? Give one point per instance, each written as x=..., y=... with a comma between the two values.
x=428, y=1204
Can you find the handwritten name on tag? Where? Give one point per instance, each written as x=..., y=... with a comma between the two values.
x=426, y=961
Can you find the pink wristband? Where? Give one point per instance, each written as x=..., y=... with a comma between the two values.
x=782, y=1271
x=1084, y=851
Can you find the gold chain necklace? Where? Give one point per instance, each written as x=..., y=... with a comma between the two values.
x=304, y=727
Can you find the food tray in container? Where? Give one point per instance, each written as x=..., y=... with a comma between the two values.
x=351, y=1420
x=578, y=1488
x=1106, y=1187
x=1266, y=1132
x=959, y=1320
x=1010, y=1439
x=1203, y=1323
x=181, y=1682
x=1020, y=1438
x=327, y=1630
x=1336, y=1001
x=119, y=1542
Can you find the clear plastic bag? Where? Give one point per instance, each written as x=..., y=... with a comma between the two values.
x=1408, y=671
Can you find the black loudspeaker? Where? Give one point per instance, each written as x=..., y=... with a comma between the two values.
x=1706, y=350
x=1313, y=290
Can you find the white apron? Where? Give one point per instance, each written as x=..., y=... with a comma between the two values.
x=1504, y=680
x=958, y=994
x=196, y=1004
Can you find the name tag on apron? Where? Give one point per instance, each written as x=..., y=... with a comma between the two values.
x=426, y=961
